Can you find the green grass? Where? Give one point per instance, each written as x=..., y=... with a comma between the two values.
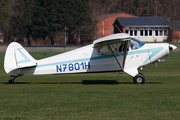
x=106, y=96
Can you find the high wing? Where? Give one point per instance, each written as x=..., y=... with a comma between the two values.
x=112, y=39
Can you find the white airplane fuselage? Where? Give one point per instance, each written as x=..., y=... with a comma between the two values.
x=117, y=52
x=87, y=59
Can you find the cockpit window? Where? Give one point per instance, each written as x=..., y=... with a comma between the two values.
x=120, y=47
x=104, y=50
x=116, y=48
x=136, y=44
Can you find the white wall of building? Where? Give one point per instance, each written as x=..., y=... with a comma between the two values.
x=150, y=34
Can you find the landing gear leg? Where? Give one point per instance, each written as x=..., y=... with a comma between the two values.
x=11, y=81
x=139, y=79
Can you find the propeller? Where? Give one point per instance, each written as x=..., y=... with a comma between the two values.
x=172, y=47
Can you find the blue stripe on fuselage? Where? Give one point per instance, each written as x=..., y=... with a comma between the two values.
x=153, y=50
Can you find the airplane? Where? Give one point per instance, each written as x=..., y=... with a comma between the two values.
x=117, y=52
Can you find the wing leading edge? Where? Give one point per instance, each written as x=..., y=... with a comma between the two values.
x=111, y=39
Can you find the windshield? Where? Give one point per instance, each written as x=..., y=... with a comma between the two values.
x=136, y=44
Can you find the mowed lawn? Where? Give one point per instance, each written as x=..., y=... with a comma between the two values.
x=94, y=96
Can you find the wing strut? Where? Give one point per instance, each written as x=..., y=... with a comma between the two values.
x=125, y=53
x=115, y=57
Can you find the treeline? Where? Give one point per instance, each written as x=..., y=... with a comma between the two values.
x=169, y=8
x=41, y=19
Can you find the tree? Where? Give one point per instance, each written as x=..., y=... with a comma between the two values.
x=20, y=22
x=4, y=18
x=54, y=19
x=51, y=16
x=40, y=23
x=74, y=13
x=172, y=11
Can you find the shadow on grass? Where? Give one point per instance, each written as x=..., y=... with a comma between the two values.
x=111, y=82
x=89, y=82
x=84, y=82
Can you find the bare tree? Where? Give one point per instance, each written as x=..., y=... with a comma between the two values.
x=5, y=6
x=171, y=10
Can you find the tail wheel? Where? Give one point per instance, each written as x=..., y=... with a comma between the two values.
x=139, y=79
x=11, y=81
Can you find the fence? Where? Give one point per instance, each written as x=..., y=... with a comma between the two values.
x=55, y=48
x=45, y=48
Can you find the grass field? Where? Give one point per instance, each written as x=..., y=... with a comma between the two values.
x=105, y=96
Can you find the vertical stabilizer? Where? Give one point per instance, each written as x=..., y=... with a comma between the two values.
x=17, y=57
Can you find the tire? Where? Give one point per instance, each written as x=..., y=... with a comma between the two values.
x=139, y=79
x=141, y=74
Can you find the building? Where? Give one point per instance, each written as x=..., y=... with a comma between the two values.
x=148, y=29
x=175, y=31
x=105, y=24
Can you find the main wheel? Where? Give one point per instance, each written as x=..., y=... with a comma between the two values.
x=139, y=79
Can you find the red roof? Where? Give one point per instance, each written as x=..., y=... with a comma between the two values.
x=110, y=15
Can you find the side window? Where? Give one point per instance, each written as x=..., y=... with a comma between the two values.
x=122, y=47
x=104, y=50
x=114, y=47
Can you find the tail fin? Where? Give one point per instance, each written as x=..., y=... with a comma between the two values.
x=17, y=57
